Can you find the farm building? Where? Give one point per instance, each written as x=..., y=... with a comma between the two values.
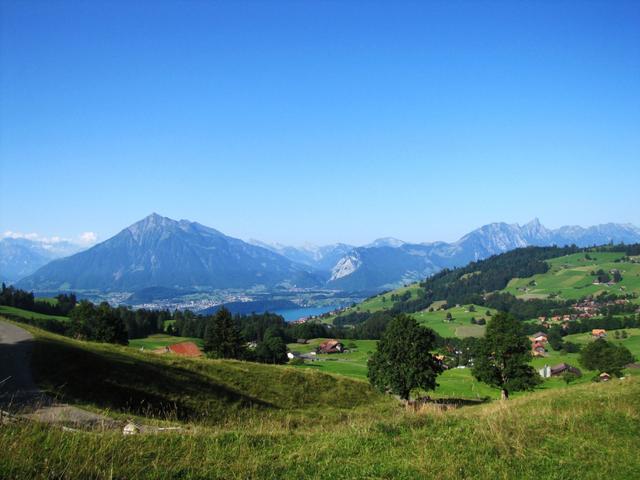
x=538, y=350
x=331, y=346
x=556, y=370
x=598, y=333
x=539, y=337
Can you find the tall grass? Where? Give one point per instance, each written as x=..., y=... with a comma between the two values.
x=588, y=432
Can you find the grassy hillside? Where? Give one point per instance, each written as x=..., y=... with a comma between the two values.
x=125, y=380
x=352, y=364
x=460, y=326
x=377, y=303
x=161, y=340
x=585, y=432
x=632, y=342
x=570, y=277
x=18, y=312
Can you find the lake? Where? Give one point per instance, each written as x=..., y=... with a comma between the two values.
x=296, y=313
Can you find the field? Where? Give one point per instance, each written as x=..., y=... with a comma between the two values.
x=458, y=382
x=460, y=326
x=160, y=340
x=570, y=277
x=632, y=342
x=244, y=421
x=352, y=364
x=18, y=312
x=377, y=303
x=127, y=381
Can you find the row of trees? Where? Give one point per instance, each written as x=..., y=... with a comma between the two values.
x=61, y=304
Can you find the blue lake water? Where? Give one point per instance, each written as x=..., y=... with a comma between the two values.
x=296, y=313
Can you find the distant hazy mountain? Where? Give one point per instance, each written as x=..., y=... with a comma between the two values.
x=20, y=257
x=380, y=267
x=320, y=258
x=160, y=252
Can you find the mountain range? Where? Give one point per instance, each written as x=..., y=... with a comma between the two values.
x=20, y=257
x=161, y=252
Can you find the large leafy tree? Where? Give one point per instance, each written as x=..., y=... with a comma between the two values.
x=101, y=323
x=603, y=356
x=403, y=361
x=502, y=357
x=222, y=337
x=273, y=348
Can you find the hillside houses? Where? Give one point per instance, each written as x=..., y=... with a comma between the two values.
x=557, y=370
x=538, y=344
x=331, y=346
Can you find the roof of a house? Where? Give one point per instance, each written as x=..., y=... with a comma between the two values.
x=598, y=331
x=329, y=343
x=187, y=349
x=562, y=367
x=539, y=334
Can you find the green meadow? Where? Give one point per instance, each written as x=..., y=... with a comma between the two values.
x=161, y=340
x=377, y=303
x=569, y=277
x=242, y=420
x=460, y=326
x=18, y=312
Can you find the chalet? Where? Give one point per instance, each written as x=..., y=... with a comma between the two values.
x=564, y=367
x=604, y=377
x=331, y=346
x=598, y=333
x=539, y=337
x=538, y=350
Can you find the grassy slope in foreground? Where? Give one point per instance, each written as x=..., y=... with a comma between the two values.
x=127, y=381
x=586, y=432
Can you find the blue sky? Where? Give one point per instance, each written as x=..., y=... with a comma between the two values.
x=318, y=121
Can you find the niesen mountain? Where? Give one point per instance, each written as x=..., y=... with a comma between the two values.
x=20, y=257
x=160, y=252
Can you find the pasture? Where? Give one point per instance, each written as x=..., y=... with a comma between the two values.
x=570, y=278
x=377, y=303
x=161, y=340
x=26, y=314
x=460, y=326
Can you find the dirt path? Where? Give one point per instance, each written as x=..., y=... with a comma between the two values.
x=20, y=395
x=17, y=390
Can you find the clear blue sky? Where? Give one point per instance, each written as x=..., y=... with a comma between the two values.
x=318, y=121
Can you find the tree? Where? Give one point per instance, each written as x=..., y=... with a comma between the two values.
x=502, y=357
x=603, y=356
x=272, y=349
x=101, y=323
x=403, y=361
x=449, y=317
x=222, y=337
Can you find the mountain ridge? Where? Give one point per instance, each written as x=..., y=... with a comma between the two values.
x=161, y=252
